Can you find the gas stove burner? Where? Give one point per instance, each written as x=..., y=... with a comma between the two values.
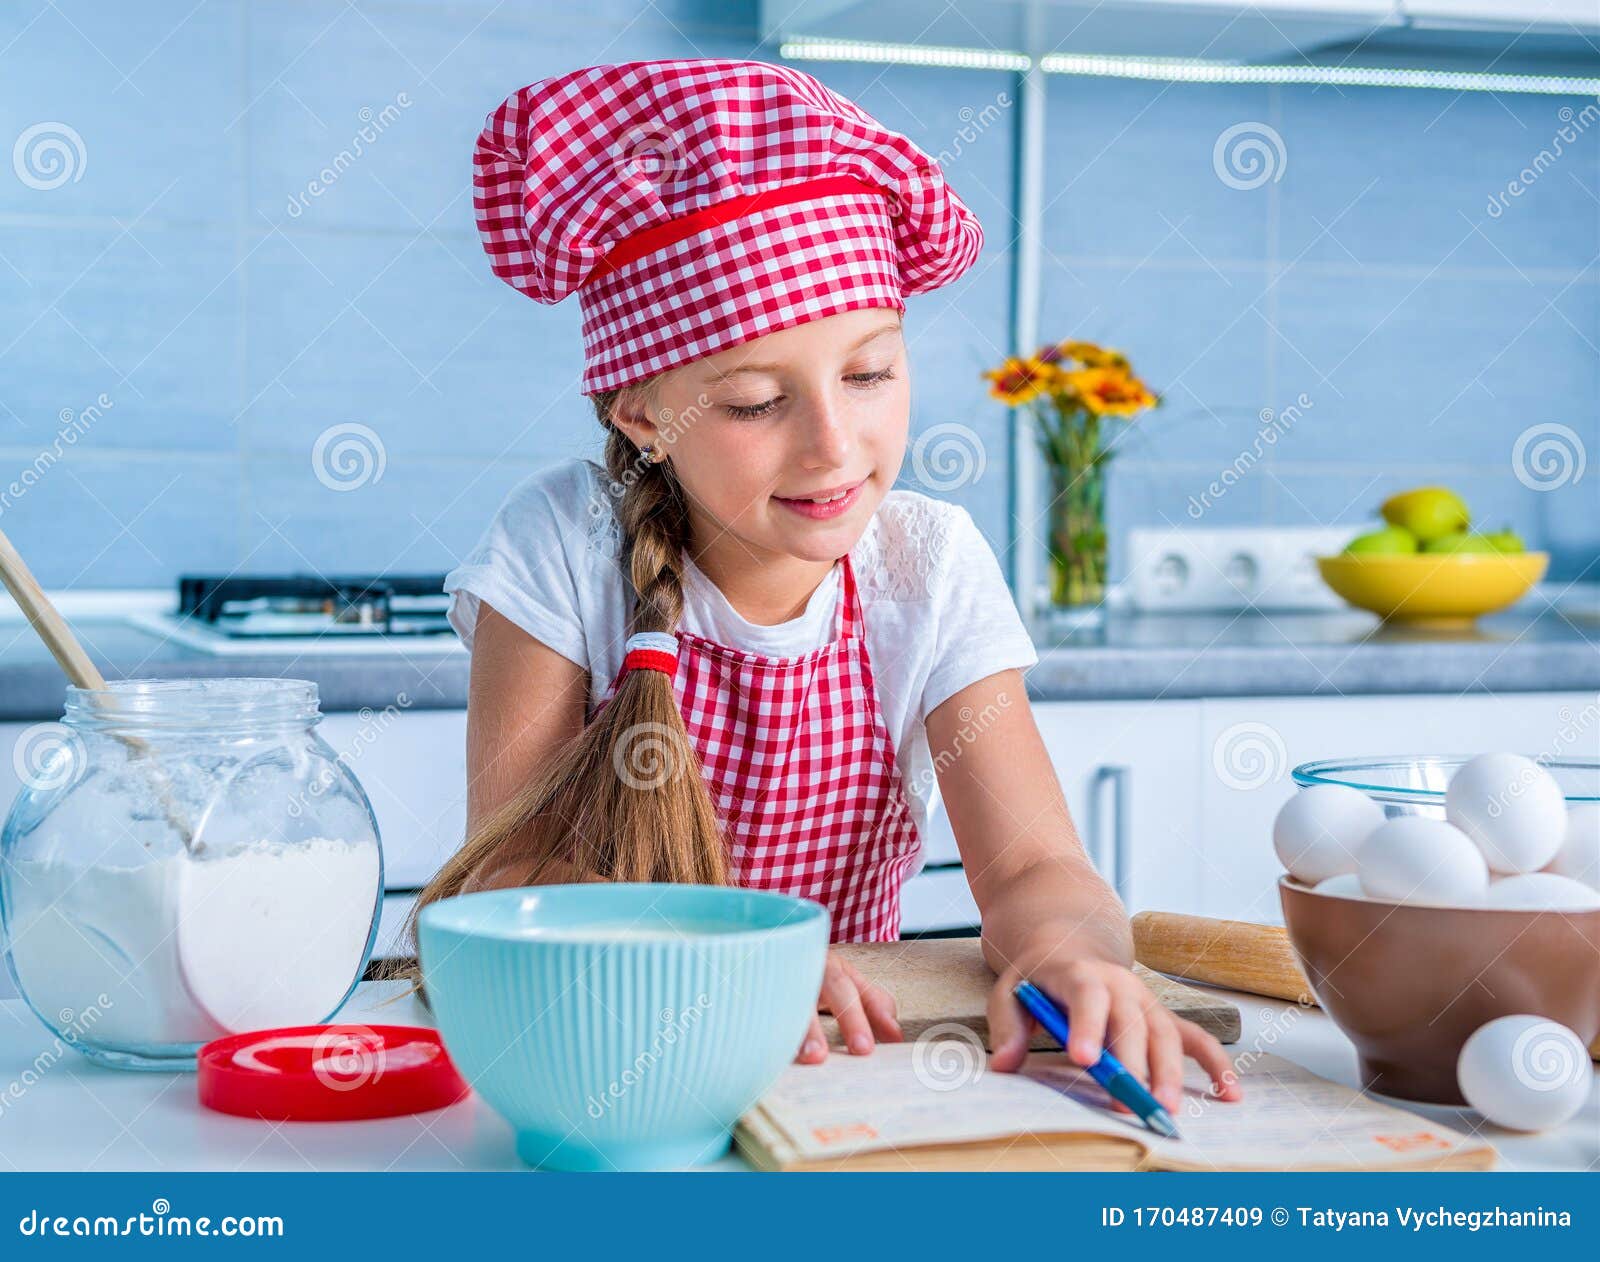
x=263, y=606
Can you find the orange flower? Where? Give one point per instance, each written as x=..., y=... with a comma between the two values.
x=1092, y=356
x=1109, y=391
x=1020, y=381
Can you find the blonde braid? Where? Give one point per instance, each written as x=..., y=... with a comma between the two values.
x=624, y=800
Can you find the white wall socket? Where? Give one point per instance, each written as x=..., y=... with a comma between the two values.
x=1225, y=568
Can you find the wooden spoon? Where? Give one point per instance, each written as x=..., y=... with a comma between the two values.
x=64, y=646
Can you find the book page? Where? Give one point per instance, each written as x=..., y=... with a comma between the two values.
x=909, y=1095
x=1291, y=1118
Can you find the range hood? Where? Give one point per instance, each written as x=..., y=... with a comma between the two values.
x=1551, y=35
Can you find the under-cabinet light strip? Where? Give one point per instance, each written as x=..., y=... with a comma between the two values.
x=901, y=54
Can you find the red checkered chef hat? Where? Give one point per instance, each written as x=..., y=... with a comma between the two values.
x=697, y=204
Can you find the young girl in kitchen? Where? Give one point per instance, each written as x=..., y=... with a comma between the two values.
x=734, y=653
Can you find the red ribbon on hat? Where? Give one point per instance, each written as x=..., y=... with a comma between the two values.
x=659, y=236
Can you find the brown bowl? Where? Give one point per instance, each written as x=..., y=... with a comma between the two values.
x=1408, y=984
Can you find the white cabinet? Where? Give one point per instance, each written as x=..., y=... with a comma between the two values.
x=1174, y=799
x=1131, y=781
x=1218, y=29
x=412, y=764
x=1569, y=17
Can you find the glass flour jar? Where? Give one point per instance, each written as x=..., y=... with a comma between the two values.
x=187, y=858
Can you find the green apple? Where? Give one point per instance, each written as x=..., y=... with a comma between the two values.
x=1390, y=541
x=1507, y=540
x=1428, y=512
x=1461, y=541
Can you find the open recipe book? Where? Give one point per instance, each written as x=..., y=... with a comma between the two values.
x=936, y=1106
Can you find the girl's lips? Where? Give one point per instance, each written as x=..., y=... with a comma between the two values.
x=819, y=512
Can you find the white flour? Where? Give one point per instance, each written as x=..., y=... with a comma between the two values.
x=629, y=932
x=188, y=949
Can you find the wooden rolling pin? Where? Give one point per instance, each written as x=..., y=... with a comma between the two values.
x=1237, y=954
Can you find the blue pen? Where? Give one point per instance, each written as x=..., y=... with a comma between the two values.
x=1108, y=1071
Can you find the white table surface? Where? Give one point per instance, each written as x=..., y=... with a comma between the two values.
x=66, y=1113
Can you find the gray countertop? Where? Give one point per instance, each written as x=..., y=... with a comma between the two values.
x=31, y=684
x=1536, y=648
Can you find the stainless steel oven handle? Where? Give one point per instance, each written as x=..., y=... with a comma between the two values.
x=1113, y=862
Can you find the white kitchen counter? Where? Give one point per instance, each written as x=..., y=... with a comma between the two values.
x=58, y=1111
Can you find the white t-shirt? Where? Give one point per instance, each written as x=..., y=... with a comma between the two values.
x=938, y=613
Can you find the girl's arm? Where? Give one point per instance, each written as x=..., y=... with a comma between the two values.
x=1047, y=914
x=524, y=700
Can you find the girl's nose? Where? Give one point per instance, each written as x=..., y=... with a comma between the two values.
x=829, y=436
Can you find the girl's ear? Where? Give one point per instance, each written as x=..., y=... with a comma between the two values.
x=633, y=414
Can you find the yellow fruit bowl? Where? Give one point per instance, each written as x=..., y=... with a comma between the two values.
x=1446, y=588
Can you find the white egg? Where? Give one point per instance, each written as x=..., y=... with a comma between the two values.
x=1345, y=885
x=1579, y=856
x=1414, y=859
x=1511, y=807
x=1541, y=891
x=1525, y=1073
x=1319, y=830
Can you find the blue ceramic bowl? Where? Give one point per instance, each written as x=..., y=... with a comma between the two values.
x=622, y=1026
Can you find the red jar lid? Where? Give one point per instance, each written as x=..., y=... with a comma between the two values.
x=328, y=1073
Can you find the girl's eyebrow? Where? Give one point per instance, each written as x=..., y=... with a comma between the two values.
x=717, y=378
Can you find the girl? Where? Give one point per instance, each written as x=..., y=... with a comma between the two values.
x=735, y=654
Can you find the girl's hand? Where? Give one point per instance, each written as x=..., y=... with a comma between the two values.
x=1106, y=1004
x=861, y=1009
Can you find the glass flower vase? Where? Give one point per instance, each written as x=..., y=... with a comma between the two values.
x=1077, y=467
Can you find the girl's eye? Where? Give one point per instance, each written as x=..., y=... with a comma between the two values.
x=747, y=412
x=871, y=378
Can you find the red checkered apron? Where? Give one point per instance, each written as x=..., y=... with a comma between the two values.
x=802, y=771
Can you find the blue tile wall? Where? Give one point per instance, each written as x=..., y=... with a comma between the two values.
x=231, y=305
x=1392, y=264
